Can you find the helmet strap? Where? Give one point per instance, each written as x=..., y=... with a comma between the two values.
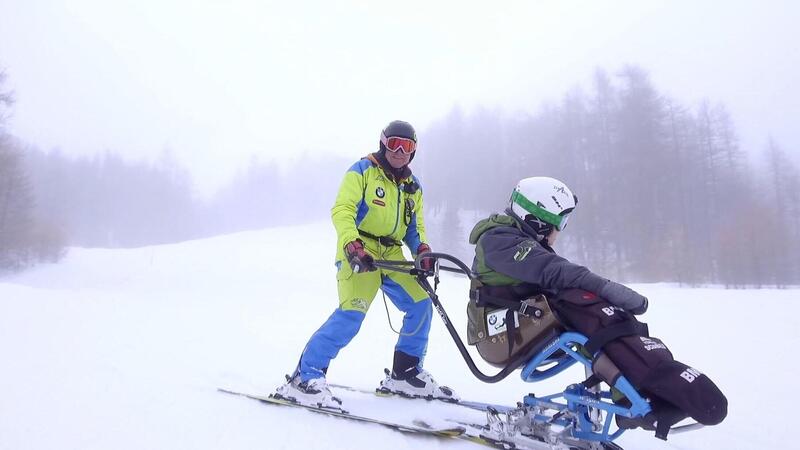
x=525, y=226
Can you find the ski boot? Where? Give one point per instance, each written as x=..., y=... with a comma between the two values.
x=407, y=379
x=419, y=384
x=314, y=392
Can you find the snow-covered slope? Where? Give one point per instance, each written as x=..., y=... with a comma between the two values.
x=124, y=349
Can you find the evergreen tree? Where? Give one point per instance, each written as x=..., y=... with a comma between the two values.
x=665, y=193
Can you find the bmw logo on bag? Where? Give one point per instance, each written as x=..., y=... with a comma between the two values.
x=380, y=192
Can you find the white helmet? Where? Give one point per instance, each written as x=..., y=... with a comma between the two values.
x=548, y=200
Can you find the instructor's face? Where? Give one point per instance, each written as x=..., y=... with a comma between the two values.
x=398, y=159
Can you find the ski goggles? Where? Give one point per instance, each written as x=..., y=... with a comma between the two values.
x=393, y=144
x=559, y=221
x=563, y=223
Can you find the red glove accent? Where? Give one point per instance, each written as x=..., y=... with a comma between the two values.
x=359, y=259
x=427, y=263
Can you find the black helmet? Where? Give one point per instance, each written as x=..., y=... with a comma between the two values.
x=397, y=128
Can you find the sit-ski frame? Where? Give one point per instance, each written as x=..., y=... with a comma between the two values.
x=576, y=407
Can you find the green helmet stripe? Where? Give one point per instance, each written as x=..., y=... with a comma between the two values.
x=536, y=210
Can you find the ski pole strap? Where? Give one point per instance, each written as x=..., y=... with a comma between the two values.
x=605, y=335
x=386, y=241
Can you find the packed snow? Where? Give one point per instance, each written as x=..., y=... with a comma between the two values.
x=124, y=349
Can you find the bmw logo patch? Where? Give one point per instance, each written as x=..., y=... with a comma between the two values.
x=380, y=192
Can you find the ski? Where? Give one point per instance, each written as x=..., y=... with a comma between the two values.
x=497, y=432
x=479, y=406
x=418, y=427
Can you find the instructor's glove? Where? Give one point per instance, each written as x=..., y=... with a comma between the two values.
x=427, y=263
x=359, y=259
x=624, y=297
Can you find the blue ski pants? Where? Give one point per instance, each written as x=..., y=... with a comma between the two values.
x=356, y=292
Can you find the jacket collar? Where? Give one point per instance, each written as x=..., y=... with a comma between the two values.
x=396, y=175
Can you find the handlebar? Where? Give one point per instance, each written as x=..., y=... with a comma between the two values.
x=422, y=278
x=405, y=266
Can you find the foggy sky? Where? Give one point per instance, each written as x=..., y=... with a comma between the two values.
x=215, y=82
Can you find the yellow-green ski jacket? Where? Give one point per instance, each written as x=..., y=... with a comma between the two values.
x=372, y=202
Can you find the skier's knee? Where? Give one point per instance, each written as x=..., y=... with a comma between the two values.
x=419, y=308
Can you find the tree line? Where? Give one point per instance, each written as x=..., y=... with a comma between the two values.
x=665, y=191
x=107, y=201
x=49, y=201
x=24, y=239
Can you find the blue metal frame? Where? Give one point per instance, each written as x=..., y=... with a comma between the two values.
x=577, y=398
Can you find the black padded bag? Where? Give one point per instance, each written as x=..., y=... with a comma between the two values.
x=645, y=361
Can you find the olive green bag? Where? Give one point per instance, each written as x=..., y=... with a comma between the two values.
x=486, y=330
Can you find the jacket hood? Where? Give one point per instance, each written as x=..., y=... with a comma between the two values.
x=493, y=221
x=510, y=219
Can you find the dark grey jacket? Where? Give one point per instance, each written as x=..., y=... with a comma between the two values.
x=509, y=253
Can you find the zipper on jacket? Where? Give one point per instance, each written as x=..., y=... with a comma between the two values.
x=397, y=212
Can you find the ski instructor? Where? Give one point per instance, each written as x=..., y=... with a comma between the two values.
x=377, y=209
